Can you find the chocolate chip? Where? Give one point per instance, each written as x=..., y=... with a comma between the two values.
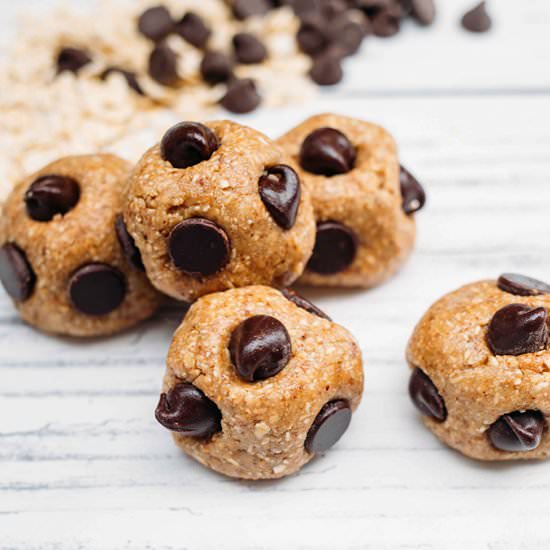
x=329, y=426
x=327, y=68
x=331, y=9
x=516, y=329
x=518, y=431
x=303, y=303
x=72, y=60
x=193, y=29
x=129, y=76
x=412, y=192
x=327, y=151
x=335, y=248
x=477, y=19
x=312, y=35
x=280, y=192
x=198, y=247
x=425, y=396
x=242, y=9
x=97, y=289
x=16, y=274
x=306, y=8
x=216, y=67
x=521, y=285
x=187, y=144
x=155, y=23
x=248, y=48
x=423, y=11
x=128, y=245
x=50, y=195
x=186, y=409
x=386, y=22
x=241, y=97
x=163, y=66
x=347, y=33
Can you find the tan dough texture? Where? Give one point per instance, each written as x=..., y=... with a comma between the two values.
x=85, y=234
x=265, y=423
x=223, y=189
x=366, y=199
x=449, y=345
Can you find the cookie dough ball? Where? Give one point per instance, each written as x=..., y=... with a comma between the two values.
x=65, y=257
x=258, y=381
x=480, y=369
x=363, y=200
x=217, y=206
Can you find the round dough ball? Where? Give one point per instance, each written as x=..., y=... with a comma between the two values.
x=259, y=380
x=481, y=374
x=61, y=250
x=215, y=207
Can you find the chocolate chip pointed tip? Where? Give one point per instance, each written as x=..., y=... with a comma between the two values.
x=425, y=396
x=280, y=192
x=51, y=195
x=521, y=285
x=329, y=426
x=519, y=431
x=187, y=144
x=16, y=273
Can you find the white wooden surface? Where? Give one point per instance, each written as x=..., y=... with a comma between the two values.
x=83, y=463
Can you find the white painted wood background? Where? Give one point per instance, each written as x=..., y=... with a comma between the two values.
x=83, y=464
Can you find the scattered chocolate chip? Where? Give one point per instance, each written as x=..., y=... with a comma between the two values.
x=386, y=22
x=521, y=285
x=216, y=67
x=198, y=247
x=242, y=9
x=193, y=29
x=335, y=248
x=241, y=97
x=97, y=289
x=329, y=426
x=477, y=19
x=313, y=36
x=306, y=8
x=303, y=303
x=347, y=33
x=326, y=69
x=423, y=11
x=517, y=329
x=127, y=243
x=187, y=144
x=50, y=195
x=425, y=396
x=518, y=431
x=72, y=60
x=412, y=192
x=163, y=66
x=327, y=151
x=331, y=9
x=186, y=409
x=280, y=192
x=16, y=274
x=155, y=23
x=129, y=76
x=248, y=48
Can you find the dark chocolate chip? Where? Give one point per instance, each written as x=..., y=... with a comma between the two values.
x=412, y=193
x=129, y=76
x=248, y=48
x=216, y=67
x=242, y=9
x=347, y=33
x=477, y=19
x=198, y=247
x=155, y=23
x=163, y=66
x=259, y=348
x=128, y=245
x=521, y=285
x=193, y=29
x=425, y=396
x=16, y=274
x=97, y=289
x=386, y=22
x=72, y=60
x=312, y=35
x=280, y=192
x=516, y=329
x=187, y=144
x=331, y=9
x=518, y=431
x=335, y=248
x=186, y=409
x=50, y=195
x=326, y=69
x=423, y=11
x=303, y=303
x=329, y=426
x=241, y=96
x=327, y=151
x=306, y=8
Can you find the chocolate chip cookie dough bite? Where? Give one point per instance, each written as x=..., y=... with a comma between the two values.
x=480, y=363
x=65, y=257
x=216, y=206
x=363, y=201
x=258, y=382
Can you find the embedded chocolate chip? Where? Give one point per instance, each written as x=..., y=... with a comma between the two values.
x=329, y=426
x=280, y=193
x=129, y=76
x=242, y=9
x=327, y=151
x=386, y=22
x=193, y=29
x=425, y=395
x=127, y=243
x=216, y=67
x=97, y=289
x=50, y=195
x=198, y=247
x=155, y=23
x=163, y=66
x=72, y=60
x=16, y=274
x=241, y=97
x=412, y=193
x=327, y=68
x=187, y=144
x=477, y=19
x=335, y=248
x=518, y=431
x=259, y=348
x=521, y=285
x=516, y=329
x=312, y=35
x=186, y=409
x=248, y=48
x=303, y=303
x=423, y=11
